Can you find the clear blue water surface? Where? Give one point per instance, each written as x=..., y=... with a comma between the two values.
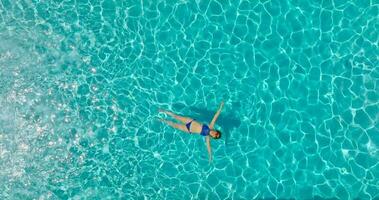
x=81, y=82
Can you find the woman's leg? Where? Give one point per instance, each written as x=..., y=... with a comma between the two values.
x=184, y=120
x=175, y=125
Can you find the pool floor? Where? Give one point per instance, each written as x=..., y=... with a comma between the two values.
x=81, y=83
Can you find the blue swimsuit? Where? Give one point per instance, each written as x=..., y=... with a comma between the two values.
x=204, y=130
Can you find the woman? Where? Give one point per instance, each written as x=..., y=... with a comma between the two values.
x=192, y=126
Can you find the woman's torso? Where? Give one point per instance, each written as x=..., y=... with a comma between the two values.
x=198, y=128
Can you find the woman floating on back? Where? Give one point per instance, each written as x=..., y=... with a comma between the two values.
x=192, y=126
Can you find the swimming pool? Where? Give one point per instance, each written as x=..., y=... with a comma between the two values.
x=81, y=82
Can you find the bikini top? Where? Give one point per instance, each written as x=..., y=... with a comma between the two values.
x=205, y=130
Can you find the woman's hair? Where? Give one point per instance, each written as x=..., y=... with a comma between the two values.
x=219, y=134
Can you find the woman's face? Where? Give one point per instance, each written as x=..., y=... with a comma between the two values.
x=213, y=133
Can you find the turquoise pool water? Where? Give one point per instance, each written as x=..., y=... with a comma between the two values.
x=81, y=82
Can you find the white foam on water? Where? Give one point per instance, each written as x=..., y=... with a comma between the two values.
x=345, y=153
x=372, y=149
x=136, y=143
x=30, y=121
x=157, y=155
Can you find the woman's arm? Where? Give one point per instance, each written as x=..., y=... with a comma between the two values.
x=211, y=125
x=207, y=140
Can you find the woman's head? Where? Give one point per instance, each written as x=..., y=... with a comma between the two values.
x=215, y=134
